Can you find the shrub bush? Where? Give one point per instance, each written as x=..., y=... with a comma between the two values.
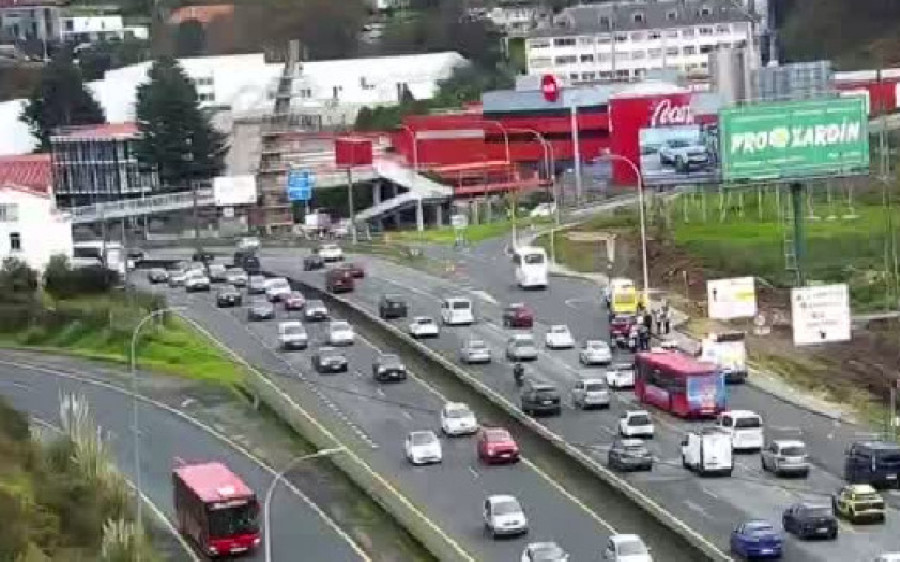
x=62, y=281
x=17, y=280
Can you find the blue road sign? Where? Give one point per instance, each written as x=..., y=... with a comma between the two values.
x=300, y=184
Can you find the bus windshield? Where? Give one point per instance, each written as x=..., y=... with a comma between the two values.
x=235, y=520
x=533, y=259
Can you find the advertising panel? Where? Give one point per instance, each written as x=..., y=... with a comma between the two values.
x=820, y=314
x=731, y=298
x=679, y=154
x=807, y=138
x=229, y=191
x=706, y=394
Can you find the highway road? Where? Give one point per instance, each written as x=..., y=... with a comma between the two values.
x=712, y=506
x=35, y=388
x=375, y=418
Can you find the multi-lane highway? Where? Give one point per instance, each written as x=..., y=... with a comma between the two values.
x=712, y=506
x=35, y=386
x=375, y=418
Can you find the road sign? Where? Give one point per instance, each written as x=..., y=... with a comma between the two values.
x=459, y=221
x=731, y=298
x=300, y=184
x=805, y=138
x=820, y=314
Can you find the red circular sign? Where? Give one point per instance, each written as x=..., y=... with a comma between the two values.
x=550, y=87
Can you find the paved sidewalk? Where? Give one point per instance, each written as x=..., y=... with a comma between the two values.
x=762, y=380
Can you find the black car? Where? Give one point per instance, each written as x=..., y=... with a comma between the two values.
x=228, y=297
x=204, y=257
x=810, y=520
x=876, y=463
x=540, y=398
x=315, y=311
x=313, y=262
x=629, y=454
x=248, y=262
x=329, y=360
x=388, y=367
x=392, y=306
x=157, y=275
x=260, y=309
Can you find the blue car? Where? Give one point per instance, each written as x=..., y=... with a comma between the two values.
x=756, y=539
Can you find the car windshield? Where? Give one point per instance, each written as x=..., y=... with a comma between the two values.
x=523, y=342
x=235, y=271
x=533, y=259
x=278, y=283
x=545, y=390
x=679, y=143
x=548, y=552
x=817, y=511
x=393, y=299
x=793, y=451
x=632, y=547
x=758, y=527
x=330, y=354
x=339, y=326
x=422, y=438
x=260, y=303
x=747, y=422
x=868, y=497
x=457, y=413
x=460, y=305
x=559, y=330
x=390, y=360
x=595, y=345
x=507, y=507
x=233, y=520
x=424, y=321
x=257, y=279
x=639, y=419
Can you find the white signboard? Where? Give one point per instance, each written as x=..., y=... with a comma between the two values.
x=820, y=314
x=731, y=298
x=229, y=191
x=459, y=221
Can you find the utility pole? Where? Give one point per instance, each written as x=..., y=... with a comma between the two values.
x=350, y=205
x=799, y=246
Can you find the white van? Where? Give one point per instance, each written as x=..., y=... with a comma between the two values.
x=707, y=452
x=531, y=267
x=744, y=427
x=457, y=311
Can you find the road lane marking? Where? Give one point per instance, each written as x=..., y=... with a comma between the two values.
x=694, y=507
x=708, y=492
x=206, y=428
x=144, y=498
x=474, y=472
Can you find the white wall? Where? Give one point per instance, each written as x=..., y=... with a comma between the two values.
x=15, y=136
x=43, y=232
x=92, y=24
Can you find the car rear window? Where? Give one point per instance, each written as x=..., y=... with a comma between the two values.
x=747, y=422
x=818, y=511
x=639, y=420
x=497, y=435
x=594, y=386
x=460, y=305
x=793, y=451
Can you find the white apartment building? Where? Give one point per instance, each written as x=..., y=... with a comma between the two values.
x=78, y=29
x=31, y=229
x=623, y=41
x=515, y=17
x=34, y=20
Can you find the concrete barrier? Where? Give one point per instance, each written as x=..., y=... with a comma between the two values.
x=441, y=545
x=704, y=548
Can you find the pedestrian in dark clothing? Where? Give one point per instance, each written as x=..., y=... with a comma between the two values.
x=648, y=321
x=665, y=318
x=644, y=337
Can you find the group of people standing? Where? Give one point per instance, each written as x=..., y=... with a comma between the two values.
x=642, y=330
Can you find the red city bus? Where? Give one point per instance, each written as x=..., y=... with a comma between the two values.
x=680, y=384
x=216, y=509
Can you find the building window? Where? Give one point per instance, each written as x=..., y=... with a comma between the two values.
x=605, y=40
x=723, y=28
x=605, y=74
x=336, y=91
x=540, y=62
x=654, y=53
x=705, y=11
x=539, y=43
x=205, y=97
x=671, y=51
x=9, y=212
x=653, y=35
x=690, y=50
x=621, y=37
x=564, y=42
x=587, y=58
x=605, y=22
x=672, y=33
x=638, y=36
x=638, y=17
x=706, y=31
x=566, y=59
x=573, y=76
x=638, y=55
x=364, y=84
x=671, y=15
x=623, y=73
x=15, y=242
x=585, y=40
x=604, y=57
x=706, y=49
x=70, y=25
x=588, y=75
x=687, y=32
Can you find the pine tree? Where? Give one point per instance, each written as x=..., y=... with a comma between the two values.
x=176, y=136
x=60, y=99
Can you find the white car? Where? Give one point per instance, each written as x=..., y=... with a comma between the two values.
x=457, y=311
x=543, y=210
x=626, y=548
x=475, y=351
x=196, y=280
x=521, y=347
x=744, y=427
x=595, y=352
x=330, y=252
x=292, y=335
x=590, y=393
x=620, y=375
x=636, y=423
x=559, y=337
x=458, y=419
x=340, y=332
x=544, y=552
x=503, y=516
x=236, y=276
x=887, y=557
x=424, y=327
x=276, y=288
x=423, y=447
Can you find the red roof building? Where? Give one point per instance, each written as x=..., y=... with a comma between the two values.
x=29, y=171
x=203, y=14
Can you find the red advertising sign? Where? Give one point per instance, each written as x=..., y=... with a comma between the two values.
x=550, y=87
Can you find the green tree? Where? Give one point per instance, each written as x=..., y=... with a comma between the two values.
x=60, y=99
x=17, y=280
x=176, y=136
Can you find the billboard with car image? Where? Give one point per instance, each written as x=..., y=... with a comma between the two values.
x=680, y=154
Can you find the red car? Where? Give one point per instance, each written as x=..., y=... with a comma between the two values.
x=518, y=316
x=355, y=270
x=339, y=281
x=496, y=445
x=619, y=327
x=294, y=301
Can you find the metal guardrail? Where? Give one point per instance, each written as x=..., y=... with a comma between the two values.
x=139, y=207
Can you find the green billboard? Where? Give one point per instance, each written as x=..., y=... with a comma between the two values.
x=798, y=139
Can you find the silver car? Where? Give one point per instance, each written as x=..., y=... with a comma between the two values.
x=256, y=285
x=236, y=276
x=521, y=347
x=260, y=309
x=590, y=393
x=475, y=351
x=595, y=352
x=783, y=457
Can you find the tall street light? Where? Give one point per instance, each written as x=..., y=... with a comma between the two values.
x=135, y=428
x=550, y=164
x=267, y=503
x=640, y=185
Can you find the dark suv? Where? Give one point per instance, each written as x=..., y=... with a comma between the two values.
x=540, y=398
x=876, y=463
x=392, y=306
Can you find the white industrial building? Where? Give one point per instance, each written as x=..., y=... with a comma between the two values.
x=623, y=41
x=246, y=85
x=514, y=17
x=80, y=29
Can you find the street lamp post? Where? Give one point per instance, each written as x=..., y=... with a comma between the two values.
x=550, y=164
x=134, y=406
x=270, y=492
x=640, y=186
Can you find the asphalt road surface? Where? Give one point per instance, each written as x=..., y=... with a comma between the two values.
x=713, y=506
x=167, y=439
x=375, y=419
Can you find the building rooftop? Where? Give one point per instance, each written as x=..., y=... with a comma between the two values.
x=28, y=171
x=104, y=131
x=203, y=14
x=639, y=15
